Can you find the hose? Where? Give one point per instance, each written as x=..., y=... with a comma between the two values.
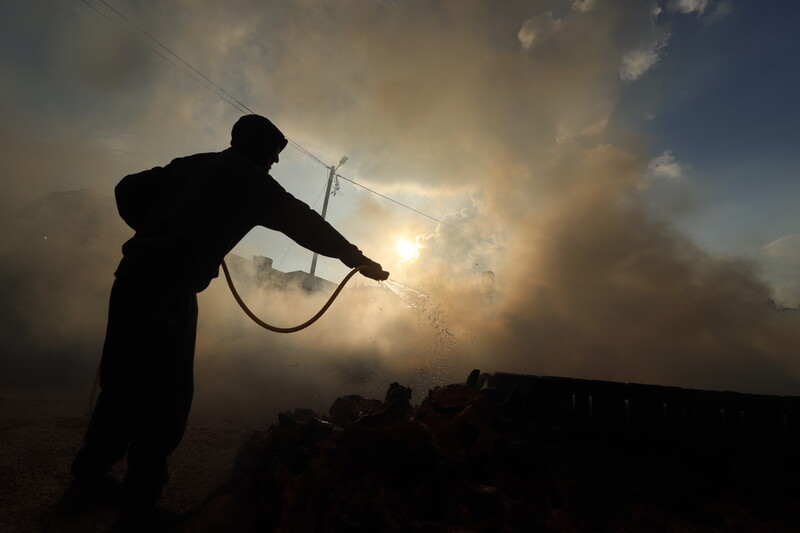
x=255, y=319
x=305, y=324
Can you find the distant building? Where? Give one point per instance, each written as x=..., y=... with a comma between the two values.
x=259, y=271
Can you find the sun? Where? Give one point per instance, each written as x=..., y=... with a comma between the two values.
x=407, y=250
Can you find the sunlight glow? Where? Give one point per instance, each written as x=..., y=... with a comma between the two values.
x=408, y=250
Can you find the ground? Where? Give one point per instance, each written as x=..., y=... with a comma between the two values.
x=42, y=423
x=463, y=460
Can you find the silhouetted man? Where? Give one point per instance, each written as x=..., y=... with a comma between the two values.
x=187, y=215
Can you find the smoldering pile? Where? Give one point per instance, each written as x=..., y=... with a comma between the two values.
x=473, y=459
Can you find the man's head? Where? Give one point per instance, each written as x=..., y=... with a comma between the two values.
x=258, y=139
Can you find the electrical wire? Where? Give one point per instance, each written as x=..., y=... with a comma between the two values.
x=206, y=82
x=234, y=102
x=306, y=152
x=239, y=105
x=440, y=221
x=162, y=56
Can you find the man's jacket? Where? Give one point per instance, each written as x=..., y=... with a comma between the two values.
x=189, y=214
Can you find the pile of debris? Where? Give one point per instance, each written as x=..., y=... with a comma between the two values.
x=466, y=460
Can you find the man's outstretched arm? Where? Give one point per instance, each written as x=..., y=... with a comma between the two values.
x=307, y=228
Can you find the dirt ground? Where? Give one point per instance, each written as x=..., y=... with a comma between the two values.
x=42, y=422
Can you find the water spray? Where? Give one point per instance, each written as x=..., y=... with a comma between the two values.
x=412, y=297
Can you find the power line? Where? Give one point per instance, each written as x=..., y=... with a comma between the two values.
x=240, y=105
x=162, y=56
x=306, y=152
x=208, y=84
x=234, y=102
x=440, y=221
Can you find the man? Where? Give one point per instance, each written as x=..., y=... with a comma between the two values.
x=187, y=216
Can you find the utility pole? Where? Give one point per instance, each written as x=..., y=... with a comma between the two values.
x=331, y=174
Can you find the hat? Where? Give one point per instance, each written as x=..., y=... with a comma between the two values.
x=257, y=137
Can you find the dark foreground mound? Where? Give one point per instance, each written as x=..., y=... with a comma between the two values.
x=476, y=460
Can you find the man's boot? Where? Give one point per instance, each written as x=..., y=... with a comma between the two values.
x=88, y=493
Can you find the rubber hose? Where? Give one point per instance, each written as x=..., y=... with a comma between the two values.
x=255, y=319
x=305, y=324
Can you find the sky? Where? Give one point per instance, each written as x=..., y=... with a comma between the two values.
x=615, y=181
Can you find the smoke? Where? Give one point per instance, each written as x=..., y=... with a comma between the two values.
x=612, y=292
x=781, y=259
x=508, y=119
x=368, y=339
x=587, y=281
x=55, y=286
x=54, y=282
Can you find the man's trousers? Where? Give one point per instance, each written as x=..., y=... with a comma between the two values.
x=146, y=380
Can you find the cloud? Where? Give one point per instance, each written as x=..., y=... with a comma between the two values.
x=721, y=10
x=636, y=62
x=584, y=6
x=540, y=28
x=788, y=246
x=666, y=166
x=592, y=121
x=781, y=260
x=688, y=6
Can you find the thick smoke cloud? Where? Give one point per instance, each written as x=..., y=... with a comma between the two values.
x=588, y=282
x=559, y=266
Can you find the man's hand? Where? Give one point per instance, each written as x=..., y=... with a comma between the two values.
x=374, y=271
x=355, y=258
